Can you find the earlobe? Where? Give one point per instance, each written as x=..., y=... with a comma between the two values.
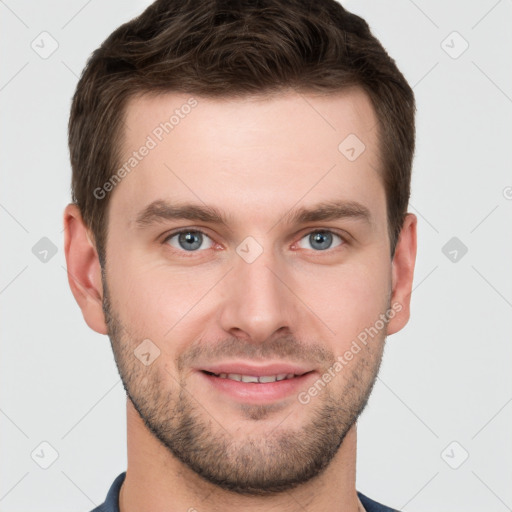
x=403, y=274
x=83, y=268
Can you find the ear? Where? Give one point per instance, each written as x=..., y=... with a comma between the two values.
x=83, y=268
x=403, y=273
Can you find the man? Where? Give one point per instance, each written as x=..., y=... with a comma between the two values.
x=239, y=229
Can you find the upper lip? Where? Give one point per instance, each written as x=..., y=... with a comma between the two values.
x=257, y=371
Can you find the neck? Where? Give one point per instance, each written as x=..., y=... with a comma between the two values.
x=158, y=482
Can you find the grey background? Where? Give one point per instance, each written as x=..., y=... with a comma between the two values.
x=445, y=378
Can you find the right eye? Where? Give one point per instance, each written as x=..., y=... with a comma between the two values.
x=188, y=240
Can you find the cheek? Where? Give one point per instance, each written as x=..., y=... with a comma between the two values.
x=158, y=301
x=348, y=299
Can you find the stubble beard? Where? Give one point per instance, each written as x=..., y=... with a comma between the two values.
x=274, y=462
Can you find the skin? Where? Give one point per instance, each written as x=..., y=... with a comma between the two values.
x=255, y=159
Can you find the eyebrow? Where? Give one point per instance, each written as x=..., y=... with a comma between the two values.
x=330, y=210
x=160, y=210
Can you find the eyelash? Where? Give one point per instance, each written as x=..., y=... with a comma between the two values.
x=188, y=254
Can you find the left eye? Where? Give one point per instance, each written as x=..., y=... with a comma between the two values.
x=188, y=240
x=320, y=240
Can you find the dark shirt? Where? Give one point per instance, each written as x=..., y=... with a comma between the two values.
x=112, y=502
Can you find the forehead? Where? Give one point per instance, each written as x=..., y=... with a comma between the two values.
x=246, y=154
x=277, y=120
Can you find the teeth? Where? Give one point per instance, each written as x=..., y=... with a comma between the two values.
x=252, y=378
x=249, y=378
x=267, y=378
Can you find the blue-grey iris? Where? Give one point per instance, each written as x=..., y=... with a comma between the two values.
x=190, y=240
x=323, y=238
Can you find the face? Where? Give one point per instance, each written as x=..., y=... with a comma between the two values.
x=250, y=243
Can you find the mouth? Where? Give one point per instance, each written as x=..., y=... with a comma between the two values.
x=255, y=379
x=253, y=388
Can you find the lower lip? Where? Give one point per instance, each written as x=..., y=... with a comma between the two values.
x=257, y=392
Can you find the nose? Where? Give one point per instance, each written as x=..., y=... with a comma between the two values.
x=257, y=301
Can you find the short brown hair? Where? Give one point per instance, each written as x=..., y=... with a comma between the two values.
x=230, y=48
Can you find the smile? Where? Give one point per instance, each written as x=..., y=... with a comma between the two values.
x=263, y=379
